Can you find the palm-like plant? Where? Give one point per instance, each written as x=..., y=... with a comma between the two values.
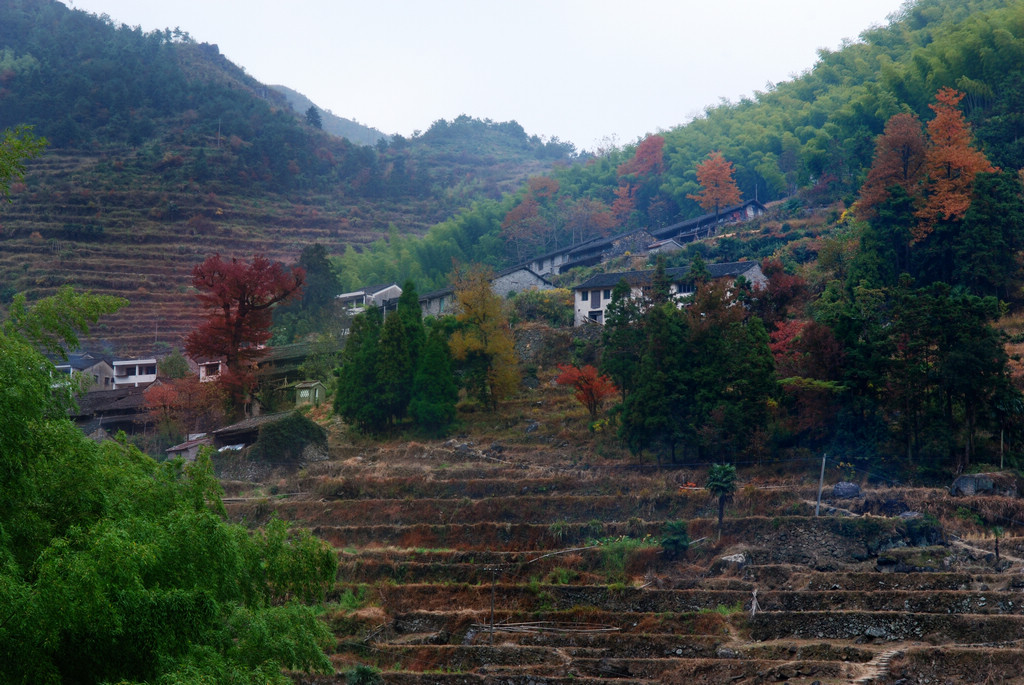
x=721, y=483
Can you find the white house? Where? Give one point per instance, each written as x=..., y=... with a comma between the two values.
x=515, y=280
x=377, y=296
x=134, y=372
x=591, y=298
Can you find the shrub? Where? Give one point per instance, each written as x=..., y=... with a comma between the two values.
x=285, y=441
x=674, y=540
x=363, y=675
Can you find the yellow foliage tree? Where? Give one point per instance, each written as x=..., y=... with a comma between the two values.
x=483, y=342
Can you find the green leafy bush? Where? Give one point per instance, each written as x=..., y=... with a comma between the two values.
x=675, y=540
x=285, y=441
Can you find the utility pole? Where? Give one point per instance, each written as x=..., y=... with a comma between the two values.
x=821, y=484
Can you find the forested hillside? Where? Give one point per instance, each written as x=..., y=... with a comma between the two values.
x=163, y=152
x=812, y=137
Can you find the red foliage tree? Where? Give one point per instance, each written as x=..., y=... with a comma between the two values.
x=240, y=297
x=718, y=189
x=648, y=159
x=185, y=405
x=951, y=164
x=899, y=160
x=624, y=203
x=591, y=387
x=523, y=227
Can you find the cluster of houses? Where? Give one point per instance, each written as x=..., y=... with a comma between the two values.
x=592, y=296
x=116, y=388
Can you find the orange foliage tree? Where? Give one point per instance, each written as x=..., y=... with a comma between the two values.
x=718, y=188
x=951, y=164
x=591, y=388
x=899, y=160
x=648, y=159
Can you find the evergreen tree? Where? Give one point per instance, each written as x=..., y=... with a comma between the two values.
x=394, y=369
x=698, y=271
x=434, y=390
x=653, y=416
x=661, y=285
x=412, y=319
x=621, y=337
x=358, y=393
x=991, y=236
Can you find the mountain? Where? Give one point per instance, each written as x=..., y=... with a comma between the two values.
x=809, y=140
x=333, y=124
x=163, y=152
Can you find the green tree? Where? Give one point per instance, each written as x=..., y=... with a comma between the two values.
x=990, y=237
x=411, y=313
x=653, y=414
x=621, y=337
x=434, y=390
x=174, y=365
x=313, y=118
x=358, y=390
x=114, y=568
x=722, y=484
x=16, y=146
x=395, y=369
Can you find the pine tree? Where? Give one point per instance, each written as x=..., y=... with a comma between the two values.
x=621, y=337
x=434, y=390
x=394, y=369
x=356, y=399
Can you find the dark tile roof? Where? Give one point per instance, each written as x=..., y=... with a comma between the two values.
x=675, y=274
x=696, y=223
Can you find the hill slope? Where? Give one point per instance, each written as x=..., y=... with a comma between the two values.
x=163, y=152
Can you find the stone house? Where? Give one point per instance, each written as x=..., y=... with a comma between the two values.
x=591, y=298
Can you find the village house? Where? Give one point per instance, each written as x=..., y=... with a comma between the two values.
x=96, y=371
x=376, y=296
x=134, y=372
x=514, y=280
x=591, y=298
x=706, y=225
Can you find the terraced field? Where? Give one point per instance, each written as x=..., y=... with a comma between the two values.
x=526, y=563
x=111, y=222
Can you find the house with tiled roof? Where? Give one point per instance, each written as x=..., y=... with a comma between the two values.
x=706, y=225
x=591, y=298
x=513, y=280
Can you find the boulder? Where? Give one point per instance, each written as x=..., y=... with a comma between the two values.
x=845, y=490
x=998, y=483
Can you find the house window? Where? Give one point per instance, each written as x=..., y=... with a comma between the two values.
x=584, y=295
x=607, y=294
x=596, y=315
x=304, y=394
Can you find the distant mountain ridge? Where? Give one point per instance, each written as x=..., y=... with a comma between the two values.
x=332, y=123
x=162, y=152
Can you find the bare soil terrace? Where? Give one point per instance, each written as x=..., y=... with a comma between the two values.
x=535, y=557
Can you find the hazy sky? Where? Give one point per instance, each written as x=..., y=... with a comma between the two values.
x=586, y=71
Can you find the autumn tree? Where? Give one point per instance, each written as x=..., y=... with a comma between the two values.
x=483, y=341
x=239, y=297
x=591, y=387
x=951, y=163
x=899, y=161
x=718, y=189
x=647, y=160
x=588, y=218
